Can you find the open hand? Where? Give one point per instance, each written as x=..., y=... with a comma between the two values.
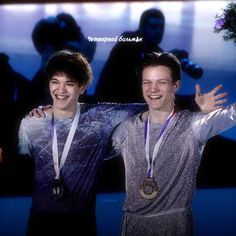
x=211, y=101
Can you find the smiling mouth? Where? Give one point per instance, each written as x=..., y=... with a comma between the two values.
x=61, y=97
x=155, y=97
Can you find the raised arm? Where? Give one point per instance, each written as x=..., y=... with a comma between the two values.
x=207, y=125
x=211, y=101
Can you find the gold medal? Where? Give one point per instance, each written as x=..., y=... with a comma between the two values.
x=148, y=189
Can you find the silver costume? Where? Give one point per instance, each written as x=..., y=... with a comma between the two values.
x=175, y=169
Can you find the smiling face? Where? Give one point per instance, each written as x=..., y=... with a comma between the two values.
x=158, y=88
x=65, y=93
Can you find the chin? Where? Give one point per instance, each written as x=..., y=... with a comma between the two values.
x=154, y=107
x=61, y=105
x=154, y=104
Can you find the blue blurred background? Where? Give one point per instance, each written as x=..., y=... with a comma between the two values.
x=189, y=26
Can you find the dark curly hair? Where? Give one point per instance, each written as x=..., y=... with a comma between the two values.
x=73, y=64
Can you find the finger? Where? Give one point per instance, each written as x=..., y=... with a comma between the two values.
x=46, y=107
x=30, y=114
x=40, y=113
x=222, y=101
x=197, y=90
x=217, y=88
x=35, y=113
x=221, y=95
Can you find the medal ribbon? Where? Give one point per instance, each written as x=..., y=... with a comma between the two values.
x=58, y=165
x=150, y=159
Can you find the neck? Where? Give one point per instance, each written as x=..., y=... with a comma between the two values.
x=58, y=113
x=159, y=116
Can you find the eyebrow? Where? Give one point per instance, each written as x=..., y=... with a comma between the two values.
x=67, y=80
x=166, y=79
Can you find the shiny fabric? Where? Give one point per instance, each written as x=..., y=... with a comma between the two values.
x=81, y=170
x=175, y=169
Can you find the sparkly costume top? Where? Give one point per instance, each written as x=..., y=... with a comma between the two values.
x=83, y=164
x=175, y=169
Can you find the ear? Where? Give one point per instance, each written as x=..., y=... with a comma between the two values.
x=82, y=90
x=177, y=85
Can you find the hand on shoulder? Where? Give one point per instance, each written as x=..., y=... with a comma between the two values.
x=40, y=111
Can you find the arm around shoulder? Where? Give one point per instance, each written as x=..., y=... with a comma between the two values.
x=117, y=138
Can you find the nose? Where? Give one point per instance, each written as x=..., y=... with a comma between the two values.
x=154, y=87
x=62, y=87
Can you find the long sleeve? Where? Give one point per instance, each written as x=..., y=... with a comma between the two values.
x=118, y=137
x=206, y=126
x=23, y=139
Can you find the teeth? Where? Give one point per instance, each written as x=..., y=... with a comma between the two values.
x=61, y=97
x=155, y=97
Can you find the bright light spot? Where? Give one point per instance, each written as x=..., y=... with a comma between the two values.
x=105, y=10
x=172, y=12
x=51, y=9
x=69, y=7
x=23, y=7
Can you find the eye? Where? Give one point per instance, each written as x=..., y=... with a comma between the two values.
x=145, y=82
x=54, y=81
x=70, y=84
x=162, y=82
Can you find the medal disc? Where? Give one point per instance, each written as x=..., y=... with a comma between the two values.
x=148, y=189
x=59, y=190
